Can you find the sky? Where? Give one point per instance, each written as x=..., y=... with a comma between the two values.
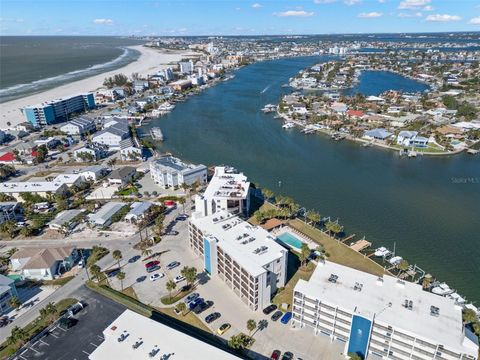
x=235, y=17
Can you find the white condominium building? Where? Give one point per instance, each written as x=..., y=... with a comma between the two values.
x=246, y=257
x=168, y=171
x=228, y=190
x=381, y=317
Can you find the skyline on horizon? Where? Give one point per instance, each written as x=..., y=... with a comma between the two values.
x=237, y=17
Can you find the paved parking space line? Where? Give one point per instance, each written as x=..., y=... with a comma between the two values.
x=20, y=356
x=59, y=328
x=43, y=342
x=101, y=337
x=94, y=344
x=55, y=336
x=85, y=352
x=32, y=348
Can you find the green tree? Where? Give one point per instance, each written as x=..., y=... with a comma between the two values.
x=117, y=256
x=267, y=194
x=181, y=307
x=314, y=217
x=251, y=325
x=182, y=201
x=304, y=253
x=15, y=302
x=17, y=336
x=170, y=285
x=9, y=227
x=112, y=162
x=146, y=252
x=190, y=274
x=239, y=342
x=96, y=272
x=159, y=224
x=403, y=265
x=27, y=231
x=354, y=356
x=426, y=281
x=469, y=316
x=121, y=277
x=333, y=227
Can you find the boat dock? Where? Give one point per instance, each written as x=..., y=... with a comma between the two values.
x=156, y=134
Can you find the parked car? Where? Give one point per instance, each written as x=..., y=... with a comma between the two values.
x=178, y=279
x=156, y=276
x=286, y=318
x=81, y=264
x=173, y=265
x=75, y=308
x=194, y=303
x=202, y=306
x=153, y=268
x=276, y=315
x=4, y=321
x=67, y=322
x=191, y=297
x=152, y=264
x=288, y=355
x=212, y=317
x=269, y=309
x=223, y=329
x=275, y=355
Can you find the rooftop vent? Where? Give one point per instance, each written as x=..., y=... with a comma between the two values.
x=333, y=278
x=379, y=281
x=408, y=304
x=358, y=286
x=154, y=351
x=137, y=344
x=123, y=336
x=434, y=311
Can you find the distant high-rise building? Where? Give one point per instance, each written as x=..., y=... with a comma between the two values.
x=186, y=67
x=58, y=110
x=167, y=74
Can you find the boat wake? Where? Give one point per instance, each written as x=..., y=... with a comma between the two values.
x=264, y=90
x=23, y=89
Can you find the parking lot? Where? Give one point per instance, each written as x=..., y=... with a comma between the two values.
x=81, y=340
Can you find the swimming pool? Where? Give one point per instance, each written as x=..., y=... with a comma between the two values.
x=290, y=240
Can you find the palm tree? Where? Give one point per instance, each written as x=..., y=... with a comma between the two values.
x=17, y=335
x=181, y=307
x=121, y=277
x=251, y=325
x=112, y=162
x=403, y=265
x=96, y=271
x=304, y=253
x=314, y=217
x=333, y=227
x=427, y=280
x=182, y=201
x=117, y=255
x=469, y=316
x=170, y=285
x=190, y=274
x=146, y=252
x=11, y=251
x=267, y=194
x=15, y=302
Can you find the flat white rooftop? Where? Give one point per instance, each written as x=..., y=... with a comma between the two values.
x=251, y=246
x=227, y=183
x=30, y=186
x=152, y=335
x=384, y=299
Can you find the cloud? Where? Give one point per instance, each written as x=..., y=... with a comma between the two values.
x=409, y=15
x=352, y=2
x=443, y=18
x=413, y=4
x=370, y=15
x=428, y=8
x=324, y=1
x=475, y=21
x=381, y=1
x=294, y=13
x=257, y=6
x=103, y=21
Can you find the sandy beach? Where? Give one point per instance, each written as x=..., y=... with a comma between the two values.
x=149, y=62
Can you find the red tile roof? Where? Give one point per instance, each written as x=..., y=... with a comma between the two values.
x=358, y=113
x=9, y=156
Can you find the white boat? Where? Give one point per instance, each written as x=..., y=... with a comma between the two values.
x=395, y=260
x=269, y=108
x=288, y=125
x=166, y=107
x=382, y=252
x=457, y=298
x=443, y=290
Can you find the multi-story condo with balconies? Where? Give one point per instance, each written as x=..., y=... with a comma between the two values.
x=381, y=317
x=168, y=171
x=228, y=190
x=58, y=110
x=246, y=257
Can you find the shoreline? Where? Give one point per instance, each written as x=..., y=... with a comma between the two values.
x=149, y=62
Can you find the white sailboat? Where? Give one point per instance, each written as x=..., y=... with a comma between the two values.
x=382, y=252
x=443, y=290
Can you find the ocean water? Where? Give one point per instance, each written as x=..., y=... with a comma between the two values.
x=33, y=64
x=429, y=207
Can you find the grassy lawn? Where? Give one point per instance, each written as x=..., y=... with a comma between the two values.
x=130, y=292
x=58, y=282
x=294, y=273
x=338, y=252
x=98, y=252
x=189, y=318
x=34, y=328
x=127, y=191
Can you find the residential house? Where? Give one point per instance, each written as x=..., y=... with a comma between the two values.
x=128, y=151
x=91, y=152
x=103, y=217
x=79, y=126
x=43, y=263
x=66, y=220
x=377, y=134
x=94, y=173
x=168, y=171
x=10, y=211
x=113, y=133
x=140, y=85
x=411, y=138
x=7, y=291
x=122, y=176
x=137, y=211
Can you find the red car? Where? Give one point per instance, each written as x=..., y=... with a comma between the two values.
x=152, y=264
x=275, y=355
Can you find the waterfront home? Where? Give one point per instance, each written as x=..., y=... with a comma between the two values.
x=140, y=85
x=377, y=134
x=43, y=263
x=128, y=151
x=338, y=107
x=168, y=171
x=375, y=99
x=114, y=132
x=122, y=176
x=299, y=108
x=65, y=221
x=103, y=217
x=79, y=126
x=180, y=85
x=142, y=102
x=355, y=114
x=411, y=138
x=7, y=292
